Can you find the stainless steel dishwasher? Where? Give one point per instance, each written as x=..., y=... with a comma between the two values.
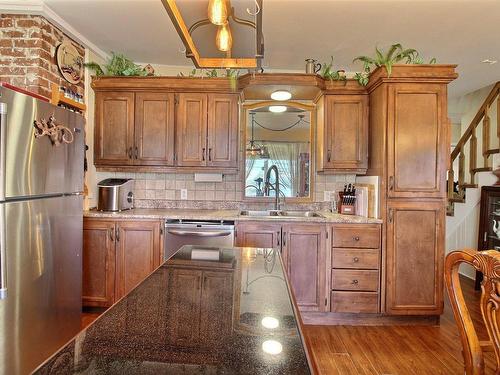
x=209, y=233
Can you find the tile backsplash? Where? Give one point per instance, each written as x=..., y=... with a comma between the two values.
x=163, y=190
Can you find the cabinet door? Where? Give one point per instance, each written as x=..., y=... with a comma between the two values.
x=154, y=129
x=216, y=301
x=114, y=128
x=222, y=130
x=346, y=140
x=191, y=130
x=184, y=306
x=138, y=253
x=258, y=234
x=304, y=255
x=98, y=286
x=414, y=274
x=417, y=141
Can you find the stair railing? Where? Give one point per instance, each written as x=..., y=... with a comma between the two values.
x=469, y=138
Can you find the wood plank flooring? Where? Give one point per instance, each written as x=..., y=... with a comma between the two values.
x=390, y=350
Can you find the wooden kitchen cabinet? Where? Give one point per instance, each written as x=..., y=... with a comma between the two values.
x=154, y=128
x=207, y=127
x=258, y=234
x=98, y=263
x=205, y=302
x=417, y=143
x=114, y=128
x=117, y=255
x=415, y=252
x=304, y=256
x=304, y=253
x=192, y=130
x=343, y=133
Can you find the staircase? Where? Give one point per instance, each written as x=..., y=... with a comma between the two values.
x=467, y=150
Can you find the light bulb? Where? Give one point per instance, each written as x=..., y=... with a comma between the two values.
x=281, y=95
x=217, y=12
x=224, y=39
x=277, y=108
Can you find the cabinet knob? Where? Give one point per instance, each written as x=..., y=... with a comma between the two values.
x=355, y=282
x=355, y=259
x=356, y=238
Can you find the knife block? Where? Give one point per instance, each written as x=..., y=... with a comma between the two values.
x=346, y=209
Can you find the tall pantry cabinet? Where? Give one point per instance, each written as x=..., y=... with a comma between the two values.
x=409, y=148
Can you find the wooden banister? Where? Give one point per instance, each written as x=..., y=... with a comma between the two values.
x=470, y=137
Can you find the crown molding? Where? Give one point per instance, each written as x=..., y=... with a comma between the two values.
x=38, y=7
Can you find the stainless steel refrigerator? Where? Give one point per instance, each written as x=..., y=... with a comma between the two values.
x=41, y=184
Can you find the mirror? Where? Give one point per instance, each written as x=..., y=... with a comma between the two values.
x=281, y=139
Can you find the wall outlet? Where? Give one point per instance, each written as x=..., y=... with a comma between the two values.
x=184, y=194
x=327, y=196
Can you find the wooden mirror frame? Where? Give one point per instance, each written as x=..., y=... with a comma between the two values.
x=245, y=108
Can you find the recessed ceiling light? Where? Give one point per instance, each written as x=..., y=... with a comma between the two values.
x=270, y=323
x=281, y=95
x=489, y=61
x=272, y=347
x=277, y=108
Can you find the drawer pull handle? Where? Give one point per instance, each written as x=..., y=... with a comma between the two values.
x=355, y=282
x=355, y=259
x=356, y=238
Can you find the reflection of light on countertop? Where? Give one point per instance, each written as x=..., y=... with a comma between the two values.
x=272, y=347
x=270, y=322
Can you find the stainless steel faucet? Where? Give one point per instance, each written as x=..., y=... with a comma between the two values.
x=268, y=186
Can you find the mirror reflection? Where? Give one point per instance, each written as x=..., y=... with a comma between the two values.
x=278, y=138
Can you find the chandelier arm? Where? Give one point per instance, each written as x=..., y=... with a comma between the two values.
x=280, y=130
x=241, y=21
x=197, y=24
x=257, y=11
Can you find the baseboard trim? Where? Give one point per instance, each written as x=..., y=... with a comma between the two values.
x=315, y=318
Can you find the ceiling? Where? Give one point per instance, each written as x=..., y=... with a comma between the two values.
x=462, y=32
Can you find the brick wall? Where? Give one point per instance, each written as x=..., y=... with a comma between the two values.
x=27, y=47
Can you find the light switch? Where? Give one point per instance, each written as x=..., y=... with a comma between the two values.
x=184, y=194
x=327, y=196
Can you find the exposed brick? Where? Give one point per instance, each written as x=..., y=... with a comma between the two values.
x=6, y=42
x=14, y=52
x=27, y=23
x=13, y=34
x=12, y=71
x=6, y=22
x=28, y=43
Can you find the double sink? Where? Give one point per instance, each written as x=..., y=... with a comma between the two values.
x=279, y=213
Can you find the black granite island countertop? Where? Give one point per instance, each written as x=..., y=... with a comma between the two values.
x=204, y=311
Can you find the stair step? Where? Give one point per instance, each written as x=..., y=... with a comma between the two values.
x=469, y=186
x=456, y=200
x=483, y=169
x=493, y=151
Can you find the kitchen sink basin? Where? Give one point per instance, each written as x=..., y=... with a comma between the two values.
x=274, y=213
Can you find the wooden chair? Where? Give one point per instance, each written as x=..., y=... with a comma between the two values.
x=487, y=262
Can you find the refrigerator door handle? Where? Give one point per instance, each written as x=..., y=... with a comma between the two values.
x=3, y=258
x=3, y=126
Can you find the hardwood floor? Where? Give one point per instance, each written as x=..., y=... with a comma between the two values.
x=390, y=350
x=397, y=350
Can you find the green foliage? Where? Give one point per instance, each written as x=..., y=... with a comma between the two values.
x=395, y=54
x=327, y=72
x=118, y=65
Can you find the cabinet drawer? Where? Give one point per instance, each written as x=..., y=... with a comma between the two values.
x=366, y=236
x=356, y=258
x=355, y=280
x=354, y=302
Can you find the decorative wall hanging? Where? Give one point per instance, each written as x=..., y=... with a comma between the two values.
x=57, y=133
x=220, y=14
x=69, y=62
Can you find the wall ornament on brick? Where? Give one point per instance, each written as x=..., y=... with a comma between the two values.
x=69, y=62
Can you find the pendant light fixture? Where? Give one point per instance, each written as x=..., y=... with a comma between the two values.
x=224, y=39
x=253, y=149
x=218, y=12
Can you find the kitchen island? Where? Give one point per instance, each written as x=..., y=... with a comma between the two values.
x=203, y=311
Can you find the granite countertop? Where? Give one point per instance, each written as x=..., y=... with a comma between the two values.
x=204, y=311
x=159, y=213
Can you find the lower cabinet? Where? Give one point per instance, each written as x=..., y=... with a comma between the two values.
x=415, y=240
x=303, y=250
x=117, y=255
x=204, y=299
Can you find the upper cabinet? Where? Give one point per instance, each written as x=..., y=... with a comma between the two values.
x=417, y=140
x=342, y=134
x=154, y=128
x=207, y=129
x=114, y=128
x=154, y=124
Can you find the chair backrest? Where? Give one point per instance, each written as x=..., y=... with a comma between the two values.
x=487, y=262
